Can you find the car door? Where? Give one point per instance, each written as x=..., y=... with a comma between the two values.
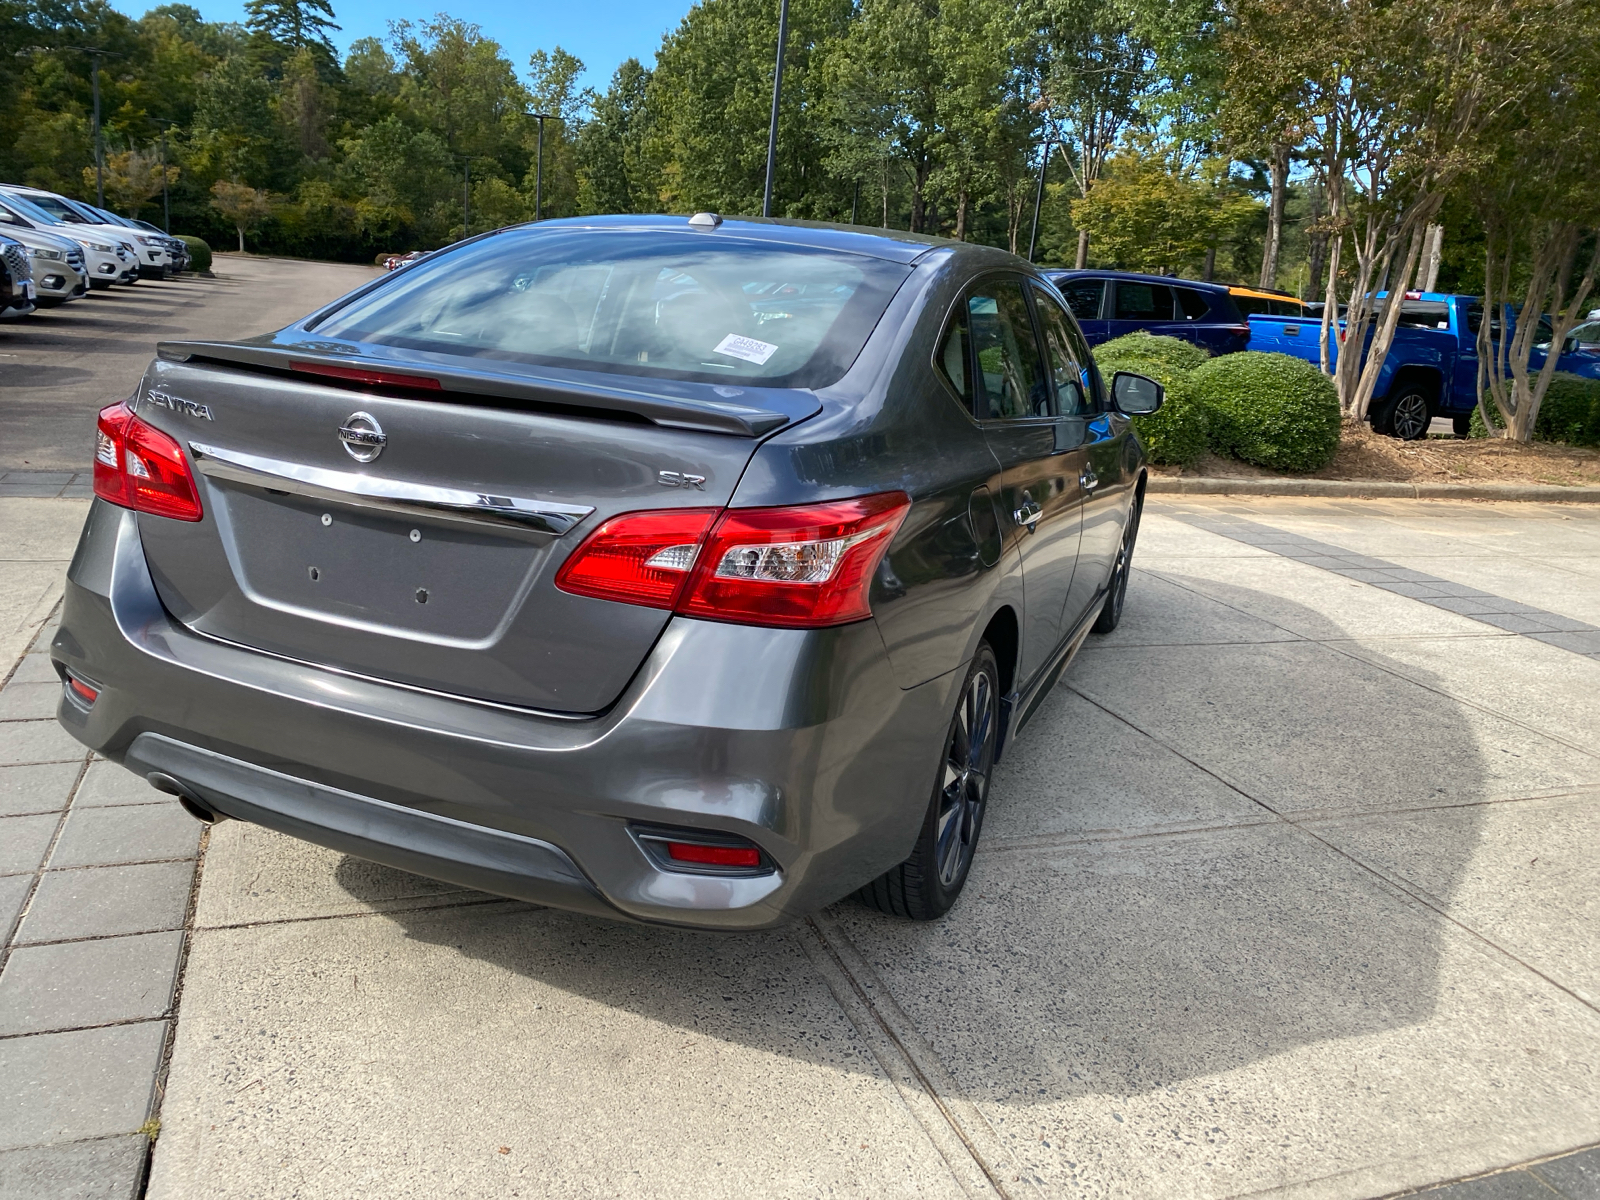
x=1086, y=298
x=1037, y=488
x=1107, y=488
x=1137, y=305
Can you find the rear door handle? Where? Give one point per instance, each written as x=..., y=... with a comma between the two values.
x=1089, y=479
x=1028, y=515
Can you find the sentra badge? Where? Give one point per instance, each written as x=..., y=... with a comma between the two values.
x=186, y=408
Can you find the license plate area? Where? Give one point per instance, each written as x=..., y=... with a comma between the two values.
x=400, y=574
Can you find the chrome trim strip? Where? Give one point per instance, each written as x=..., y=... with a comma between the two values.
x=370, y=491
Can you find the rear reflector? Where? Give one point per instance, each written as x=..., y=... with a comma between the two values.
x=82, y=690
x=801, y=567
x=364, y=375
x=139, y=467
x=714, y=856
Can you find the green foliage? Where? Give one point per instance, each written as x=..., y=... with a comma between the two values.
x=1178, y=432
x=1273, y=410
x=199, y=252
x=1570, y=411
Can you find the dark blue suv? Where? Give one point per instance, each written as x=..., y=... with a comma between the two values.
x=1109, y=304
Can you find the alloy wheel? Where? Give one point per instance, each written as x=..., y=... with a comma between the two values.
x=1411, y=418
x=969, y=758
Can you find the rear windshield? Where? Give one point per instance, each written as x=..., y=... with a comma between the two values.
x=693, y=306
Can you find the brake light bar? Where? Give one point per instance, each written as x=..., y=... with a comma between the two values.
x=804, y=566
x=367, y=375
x=137, y=466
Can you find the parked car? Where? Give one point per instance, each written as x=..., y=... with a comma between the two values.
x=17, y=299
x=154, y=249
x=102, y=262
x=59, y=273
x=178, y=248
x=1109, y=304
x=395, y=261
x=1431, y=369
x=112, y=242
x=1581, y=339
x=705, y=610
x=1253, y=301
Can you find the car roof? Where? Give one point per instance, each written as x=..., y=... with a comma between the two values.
x=893, y=245
x=1064, y=274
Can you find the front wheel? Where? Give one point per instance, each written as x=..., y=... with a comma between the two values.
x=927, y=884
x=1406, y=416
x=1117, y=586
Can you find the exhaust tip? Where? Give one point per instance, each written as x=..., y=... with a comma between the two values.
x=192, y=804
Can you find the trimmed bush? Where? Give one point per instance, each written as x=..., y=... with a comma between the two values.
x=1274, y=410
x=199, y=252
x=1570, y=412
x=1177, y=434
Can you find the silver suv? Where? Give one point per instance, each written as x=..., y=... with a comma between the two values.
x=17, y=299
x=59, y=271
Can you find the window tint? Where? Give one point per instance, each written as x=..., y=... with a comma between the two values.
x=1587, y=335
x=1143, y=301
x=659, y=303
x=1425, y=314
x=1192, y=303
x=1010, y=373
x=1074, y=388
x=1083, y=297
x=954, y=360
x=1287, y=308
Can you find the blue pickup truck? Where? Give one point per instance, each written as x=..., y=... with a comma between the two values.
x=1432, y=366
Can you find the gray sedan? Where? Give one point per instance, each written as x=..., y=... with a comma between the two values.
x=681, y=570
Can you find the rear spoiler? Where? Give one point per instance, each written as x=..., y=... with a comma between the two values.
x=659, y=406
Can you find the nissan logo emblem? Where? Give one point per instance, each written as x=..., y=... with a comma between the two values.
x=363, y=437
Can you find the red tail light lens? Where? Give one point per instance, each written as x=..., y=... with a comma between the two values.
x=82, y=690
x=800, y=567
x=368, y=376
x=139, y=467
x=638, y=558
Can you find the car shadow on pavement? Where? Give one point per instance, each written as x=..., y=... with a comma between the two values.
x=1121, y=955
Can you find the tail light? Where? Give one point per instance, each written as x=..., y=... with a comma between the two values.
x=702, y=852
x=800, y=567
x=139, y=467
x=88, y=695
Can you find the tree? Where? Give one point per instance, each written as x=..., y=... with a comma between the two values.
x=292, y=23
x=553, y=86
x=613, y=175
x=131, y=178
x=244, y=207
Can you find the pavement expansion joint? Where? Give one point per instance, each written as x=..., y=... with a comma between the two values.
x=500, y=904
x=1104, y=837
x=164, y=1016
x=977, y=1157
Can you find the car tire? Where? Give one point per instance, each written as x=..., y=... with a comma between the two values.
x=1462, y=425
x=1117, y=589
x=1406, y=415
x=925, y=886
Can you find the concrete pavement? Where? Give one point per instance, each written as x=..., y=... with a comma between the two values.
x=1289, y=890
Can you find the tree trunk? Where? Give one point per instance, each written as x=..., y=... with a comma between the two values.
x=961, y=215
x=1083, y=248
x=1430, y=277
x=1383, y=338
x=1330, y=309
x=1280, y=189
x=1211, y=264
x=240, y=228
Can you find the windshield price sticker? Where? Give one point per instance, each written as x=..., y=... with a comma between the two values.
x=736, y=346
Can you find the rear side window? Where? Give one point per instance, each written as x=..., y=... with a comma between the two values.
x=955, y=358
x=1192, y=304
x=1083, y=297
x=692, y=306
x=1010, y=376
x=1143, y=301
x=1425, y=314
x=1074, y=386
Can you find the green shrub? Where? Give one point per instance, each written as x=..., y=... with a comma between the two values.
x=1177, y=434
x=1570, y=412
x=199, y=252
x=1273, y=410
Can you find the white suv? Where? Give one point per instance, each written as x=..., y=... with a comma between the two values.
x=109, y=243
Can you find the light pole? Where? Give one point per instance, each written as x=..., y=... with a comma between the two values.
x=1038, y=198
x=777, y=91
x=95, y=54
x=166, y=202
x=538, y=170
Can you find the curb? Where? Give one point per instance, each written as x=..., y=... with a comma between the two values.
x=1351, y=489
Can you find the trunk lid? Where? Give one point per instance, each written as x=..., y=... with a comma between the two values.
x=431, y=562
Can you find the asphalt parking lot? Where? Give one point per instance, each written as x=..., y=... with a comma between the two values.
x=1289, y=890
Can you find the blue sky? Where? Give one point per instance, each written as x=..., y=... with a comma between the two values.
x=600, y=32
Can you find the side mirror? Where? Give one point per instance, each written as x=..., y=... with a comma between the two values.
x=1136, y=395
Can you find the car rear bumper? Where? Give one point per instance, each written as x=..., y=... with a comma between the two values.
x=799, y=740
